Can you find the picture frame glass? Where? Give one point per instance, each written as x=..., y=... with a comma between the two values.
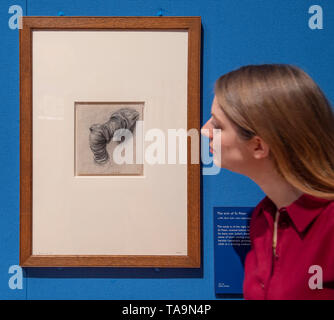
x=80, y=79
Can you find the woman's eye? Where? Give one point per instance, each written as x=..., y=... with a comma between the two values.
x=215, y=125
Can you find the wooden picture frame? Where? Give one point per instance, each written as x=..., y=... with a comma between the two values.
x=34, y=194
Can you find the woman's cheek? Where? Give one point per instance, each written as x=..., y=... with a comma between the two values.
x=217, y=140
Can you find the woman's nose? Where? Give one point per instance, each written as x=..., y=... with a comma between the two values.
x=206, y=130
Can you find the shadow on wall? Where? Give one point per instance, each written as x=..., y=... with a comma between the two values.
x=125, y=273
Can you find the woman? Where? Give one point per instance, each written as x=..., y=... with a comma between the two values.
x=274, y=125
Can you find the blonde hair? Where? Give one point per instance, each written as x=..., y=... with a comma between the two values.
x=282, y=104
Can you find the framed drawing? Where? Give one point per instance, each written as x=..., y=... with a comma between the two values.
x=98, y=99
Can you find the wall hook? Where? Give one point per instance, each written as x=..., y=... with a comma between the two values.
x=160, y=13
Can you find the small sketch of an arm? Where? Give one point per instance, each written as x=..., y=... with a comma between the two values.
x=101, y=134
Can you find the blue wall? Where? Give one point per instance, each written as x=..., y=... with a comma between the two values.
x=235, y=33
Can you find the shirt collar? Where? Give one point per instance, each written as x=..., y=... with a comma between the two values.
x=302, y=211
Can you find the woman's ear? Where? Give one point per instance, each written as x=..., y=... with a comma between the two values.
x=259, y=148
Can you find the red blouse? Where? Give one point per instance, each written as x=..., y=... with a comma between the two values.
x=303, y=267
